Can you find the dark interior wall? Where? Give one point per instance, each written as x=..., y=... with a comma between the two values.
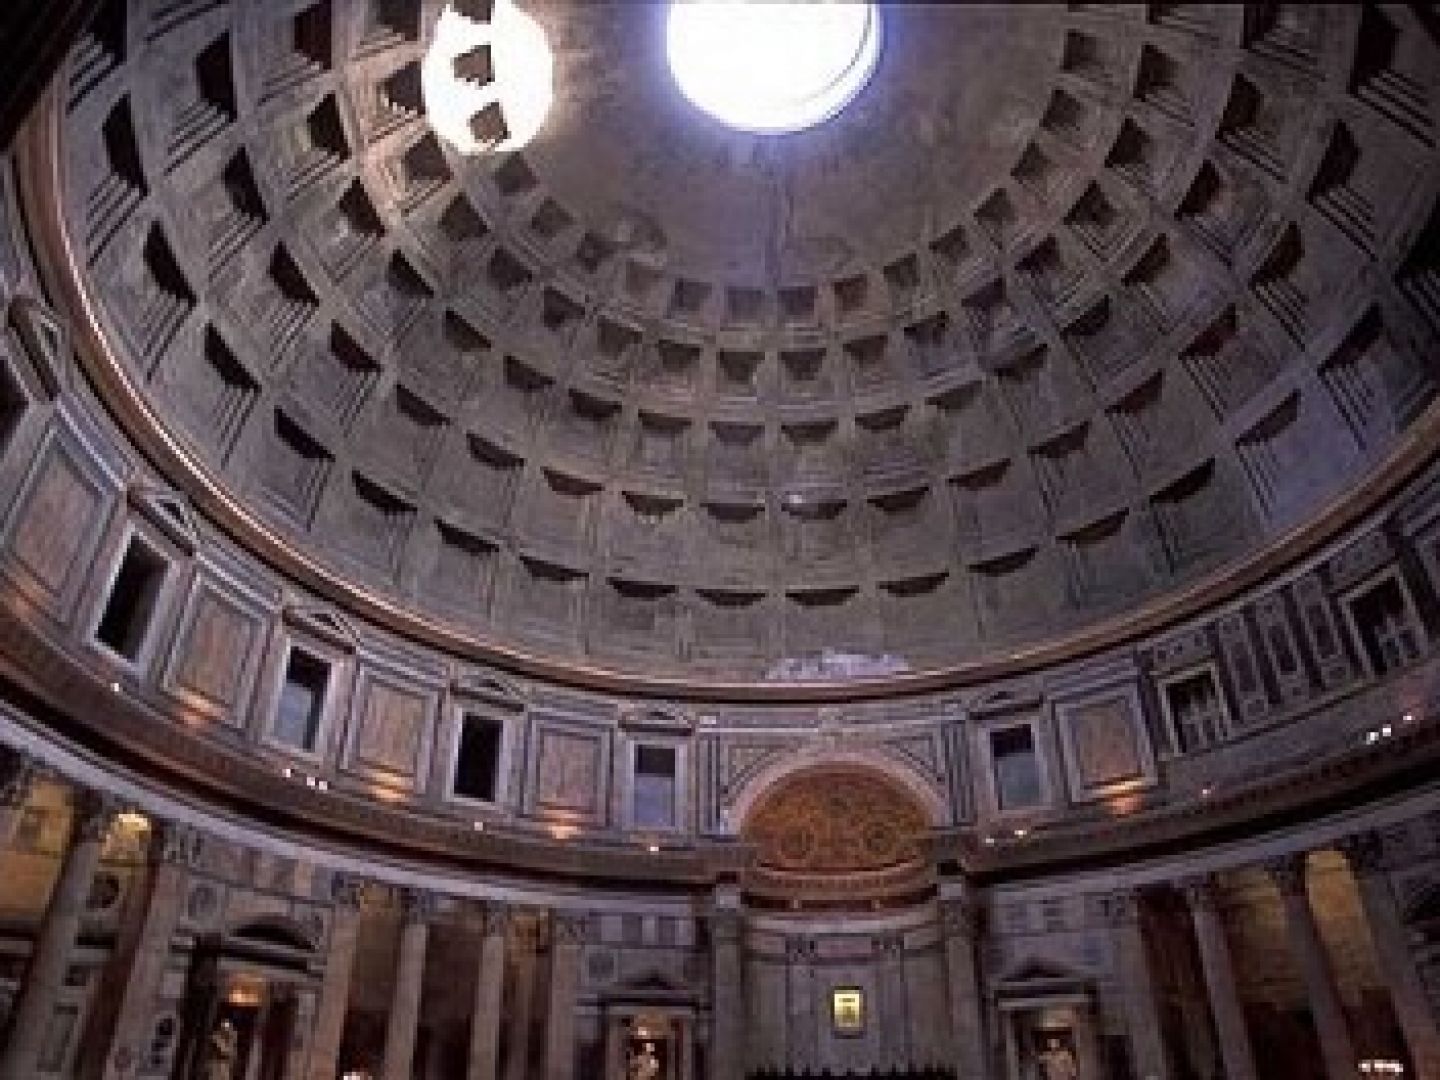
x=34, y=37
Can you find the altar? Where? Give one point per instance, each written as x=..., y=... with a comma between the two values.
x=1047, y=1020
x=649, y=1038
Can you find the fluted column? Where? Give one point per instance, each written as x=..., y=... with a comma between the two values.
x=1087, y=1043
x=525, y=942
x=960, y=921
x=1365, y=853
x=1142, y=1013
x=172, y=846
x=1336, y=1047
x=489, y=988
x=45, y=973
x=1220, y=984
x=18, y=774
x=567, y=942
x=404, y=1018
x=347, y=892
x=727, y=1001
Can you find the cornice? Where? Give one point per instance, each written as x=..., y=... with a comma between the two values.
x=64, y=697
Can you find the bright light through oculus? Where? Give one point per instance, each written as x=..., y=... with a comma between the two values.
x=772, y=66
x=488, y=86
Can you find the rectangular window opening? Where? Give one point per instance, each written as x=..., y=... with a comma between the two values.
x=302, y=700
x=477, y=761
x=654, y=787
x=1017, y=769
x=1196, y=708
x=125, y=620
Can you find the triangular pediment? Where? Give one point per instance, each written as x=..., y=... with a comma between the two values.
x=44, y=338
x=325, y=624
x=168, y=512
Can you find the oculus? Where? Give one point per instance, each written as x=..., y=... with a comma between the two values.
x=489, y=84
x=772, y=66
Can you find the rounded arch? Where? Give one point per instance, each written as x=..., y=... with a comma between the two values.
x=274, y=930
x=773, y=773
x=836, y=818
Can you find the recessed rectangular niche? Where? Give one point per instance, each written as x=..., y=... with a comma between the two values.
x=1016, y=768
x=301, y=705
x=130, y=605
x=477, y=758
x=653, y=790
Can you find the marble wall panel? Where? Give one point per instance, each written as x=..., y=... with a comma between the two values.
x=212, y=664
x=56, y=522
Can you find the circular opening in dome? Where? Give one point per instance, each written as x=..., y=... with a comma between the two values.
x=766, y=66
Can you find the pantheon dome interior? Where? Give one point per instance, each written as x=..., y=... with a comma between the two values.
x=617, y=540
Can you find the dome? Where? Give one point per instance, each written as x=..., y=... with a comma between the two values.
x=1001, y=360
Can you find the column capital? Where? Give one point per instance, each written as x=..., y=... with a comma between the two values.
x=1288, y=872
x=347, y=890
x=525, y=930
x=960, y=916
x=1121, y=907
x=417, y=905
x=19, y=773
x=1364, y=851
x=888, y=945
x=494, y=917
x=726, y=924
x=1200, y=892
x=95, y=812
x=569, y=928
x=175, y=843
x=800, y=949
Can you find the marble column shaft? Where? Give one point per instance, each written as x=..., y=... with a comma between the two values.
x=45, y=974
x=1142, y=1012
x=614, y=1048
x=1365, y=854
x=347, y=893
x=1336, y=1047
x=1220, y=984
x=960, y=920
x=517, y=1061
x=171, y=847
x=404, y=1019
x=727, y=1002
x=489, y=992
x=1087, y=1043
x=567, y=941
